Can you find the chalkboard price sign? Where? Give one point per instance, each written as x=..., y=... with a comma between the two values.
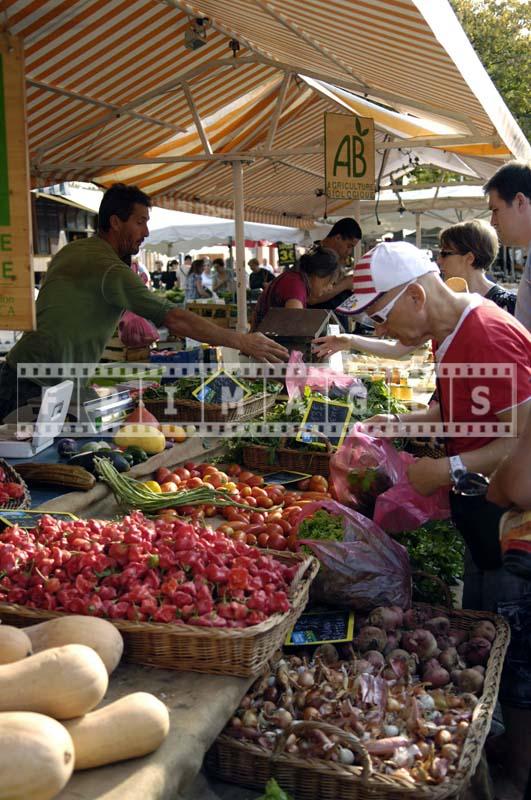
x=29, y=519
x=286, y=253
x=322, y=627
x=221, y=388
x=325, y=419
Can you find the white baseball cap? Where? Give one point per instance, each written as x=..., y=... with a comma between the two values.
x=386, y=266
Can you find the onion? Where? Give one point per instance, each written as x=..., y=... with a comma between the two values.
x=282, y=718
x=346, y=756
x=371, y=638
x=306, y=679
x=250, y=719
x=311, y=714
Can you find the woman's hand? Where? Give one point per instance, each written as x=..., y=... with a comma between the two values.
x=326, y=345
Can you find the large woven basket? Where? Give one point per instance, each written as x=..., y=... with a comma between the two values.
x=240, y=651
x=13, y=477
x=262, y=458
x=183, y=411
x=313, y=779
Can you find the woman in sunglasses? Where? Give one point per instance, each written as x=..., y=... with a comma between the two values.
x=467, y=250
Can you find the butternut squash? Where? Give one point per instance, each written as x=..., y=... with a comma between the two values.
x=36, y=756
x=93, y=632
x=147, y=437
x=14, y=644
x=131, y=727
x=63, y=682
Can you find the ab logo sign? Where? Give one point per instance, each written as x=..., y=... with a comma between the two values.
x=349, y=157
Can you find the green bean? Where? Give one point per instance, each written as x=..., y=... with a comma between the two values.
x=131, y=492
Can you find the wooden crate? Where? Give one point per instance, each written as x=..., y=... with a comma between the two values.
x=117, y=351
x=224, y=315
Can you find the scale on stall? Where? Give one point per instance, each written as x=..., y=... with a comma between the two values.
x=296, y=328
x=32, y=428
x=104, y=412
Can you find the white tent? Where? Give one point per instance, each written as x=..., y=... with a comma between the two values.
x=176, y=238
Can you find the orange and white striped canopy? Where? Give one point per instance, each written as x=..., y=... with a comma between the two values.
x=114, y=93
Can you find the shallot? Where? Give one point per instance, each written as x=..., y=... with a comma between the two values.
x=386, y=617
x=421, y=642
x=371, y=638
x=435, y=674
x=484, y=630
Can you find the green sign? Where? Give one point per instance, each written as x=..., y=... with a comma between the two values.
x=4, y=178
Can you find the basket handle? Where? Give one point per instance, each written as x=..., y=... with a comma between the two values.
x=353, y=742
x=309, y=565
x=419, y=573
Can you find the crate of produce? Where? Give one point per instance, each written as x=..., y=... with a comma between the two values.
x=8, y=475
x=261, y=458
x=356, y=774
x=226, y=316
x=242, y=651
x=184, y=411
x=115, y=350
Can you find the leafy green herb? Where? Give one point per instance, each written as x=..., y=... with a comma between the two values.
x=322, y=525
x=274, y=792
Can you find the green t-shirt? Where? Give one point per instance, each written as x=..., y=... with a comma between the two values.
x=85, y=290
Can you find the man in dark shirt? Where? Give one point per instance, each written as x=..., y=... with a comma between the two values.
x=259, y=276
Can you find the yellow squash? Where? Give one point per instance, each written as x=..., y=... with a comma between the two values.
x=147, y=437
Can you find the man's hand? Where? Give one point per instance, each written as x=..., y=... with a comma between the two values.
x=263, y=349
x=372, y=425
x=426, y=475
x=326, y=345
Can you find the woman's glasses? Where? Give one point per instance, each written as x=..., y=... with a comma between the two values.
x=446, y=253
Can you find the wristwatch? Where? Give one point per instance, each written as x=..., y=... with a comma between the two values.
x=457, y=468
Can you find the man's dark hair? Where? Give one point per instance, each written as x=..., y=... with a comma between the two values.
x=347, y=228
x=120, y=199
x=188, y=257
x=509, y=180
x=220, y=261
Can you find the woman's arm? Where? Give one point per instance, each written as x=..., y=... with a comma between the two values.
x=200, y=289
x=293, y=303
x=511, y=482
x=326, y=345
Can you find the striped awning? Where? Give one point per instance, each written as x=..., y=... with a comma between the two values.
x=114, y=93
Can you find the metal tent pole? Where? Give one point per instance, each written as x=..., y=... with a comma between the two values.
x=418, y=229
x=239, y=236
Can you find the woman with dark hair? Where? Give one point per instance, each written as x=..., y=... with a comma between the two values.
x=313, y=273
x=194, y=288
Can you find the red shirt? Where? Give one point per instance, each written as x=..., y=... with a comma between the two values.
x=484, y=368
x=290, y=285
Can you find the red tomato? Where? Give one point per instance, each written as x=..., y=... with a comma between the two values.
x=251, y=540
x=256, y=491
x=245, y=491
x=168, y=486
x=277, y=542
x=245, y=475
x=256, y=529
x=190, y=465
x=213, y=479
x=264, y=502
x=234, y=469
x=162, y=475
x=174, y=477
x=250, y=501
x=183, y=473
x=238, y=536
x=318, y=483
x=240, y=525
x=273, y=529
x=255, y=480
x=292, y=542
x=194, y=483
x=263, y=539
x=303, y=485
x=210, y=511
x=228, y=530
x=257, y=518
x=285, y=525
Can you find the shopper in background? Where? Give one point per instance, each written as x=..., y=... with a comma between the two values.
x=221, y=281
x=259, y=276
x=342, y=239
x=509, y=194
x=194, y=287
x=266, y=265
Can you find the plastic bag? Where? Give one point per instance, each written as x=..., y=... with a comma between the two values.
x=369, y=474
x=365, y=570
x=136, y=331
x=320, y=379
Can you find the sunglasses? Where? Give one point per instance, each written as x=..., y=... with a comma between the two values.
x=446, y=253
x=471, y=484
x=381, y=316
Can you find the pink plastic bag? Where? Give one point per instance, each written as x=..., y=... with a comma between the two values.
x=136, y=331
x=365, y=570
x=318, y=378
x=369, y=474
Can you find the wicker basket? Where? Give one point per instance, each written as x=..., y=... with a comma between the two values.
x=261, y=458
x=13, y=477
x=240, y=651
x=194, y=411
x=312, y=779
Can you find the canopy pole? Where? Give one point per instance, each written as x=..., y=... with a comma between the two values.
x=239, y=237
x=356, y=210
x=418, y=229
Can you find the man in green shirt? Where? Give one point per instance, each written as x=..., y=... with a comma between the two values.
x=85, y=291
